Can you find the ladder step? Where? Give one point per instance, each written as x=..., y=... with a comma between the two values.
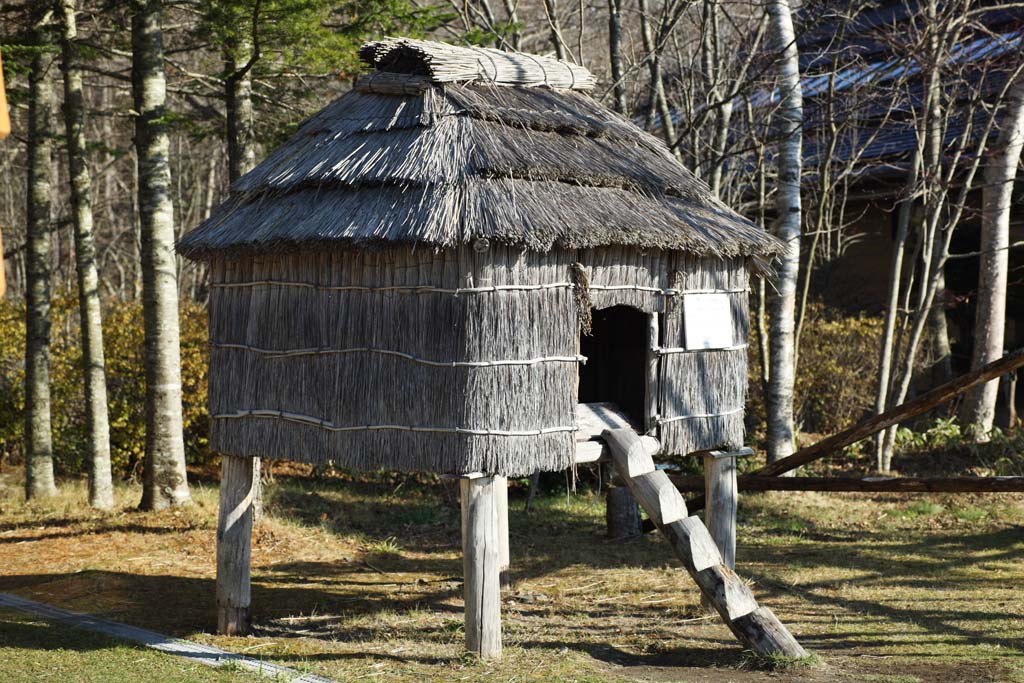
x=658, y=495
x=691, y=539
x=756, y=627
x=726, y=591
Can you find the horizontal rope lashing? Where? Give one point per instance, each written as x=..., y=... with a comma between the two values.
x=412, y=289
x=663, y=420
x=664, y=351
x=428, y=289
x=286, y=353
x=325, y=424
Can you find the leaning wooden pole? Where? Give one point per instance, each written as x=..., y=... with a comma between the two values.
x=868, y=484
x=876, y=423
x=754, y=626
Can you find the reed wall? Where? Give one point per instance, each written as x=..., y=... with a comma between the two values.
x=452, y=361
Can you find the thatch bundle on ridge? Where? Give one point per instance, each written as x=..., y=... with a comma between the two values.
x=416, y=239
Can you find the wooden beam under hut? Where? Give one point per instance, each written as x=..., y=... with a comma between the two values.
x=867, y=484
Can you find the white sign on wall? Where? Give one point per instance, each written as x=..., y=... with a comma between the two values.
x=707, y=319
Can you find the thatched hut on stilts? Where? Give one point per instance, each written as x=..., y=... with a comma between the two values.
x=439, y=268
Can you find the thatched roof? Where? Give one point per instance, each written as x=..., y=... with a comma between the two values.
x=441, y=145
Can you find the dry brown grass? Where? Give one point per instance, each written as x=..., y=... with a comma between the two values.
x=360, y=581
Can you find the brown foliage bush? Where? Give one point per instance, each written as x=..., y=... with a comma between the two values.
x=126, y=386
x=836, y=375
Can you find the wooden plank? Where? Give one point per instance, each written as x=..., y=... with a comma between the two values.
x=764, y=631
x=694, y=542
x=659, y=497
x=866, y=485
x=234, y=545
x=593, y=418
x=597, y=451
x=480, y=560
x=629, y=453
x=651, y=385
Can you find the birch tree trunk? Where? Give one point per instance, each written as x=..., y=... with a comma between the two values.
x=979, y=405
x=238, y=106
x=164, y=480
x=892, y=308
x=659, y=100
x=782, y=303
x=39, y=481
x=101, y=494
x=615, y=56
x=241, y=160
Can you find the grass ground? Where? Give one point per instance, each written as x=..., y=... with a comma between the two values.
x=36, y=650
x=360, y=581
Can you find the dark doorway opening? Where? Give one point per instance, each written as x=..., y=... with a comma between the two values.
x=616, y=351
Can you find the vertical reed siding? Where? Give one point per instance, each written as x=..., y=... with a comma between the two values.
x=712, y=382
x=619, y=266
x=363, y=388
x=275, y=349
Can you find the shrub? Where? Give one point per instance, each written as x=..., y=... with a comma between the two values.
x=126, y=387
x=836, y=374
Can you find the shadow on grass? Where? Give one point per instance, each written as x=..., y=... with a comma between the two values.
x=352, y=593
x=40, y=635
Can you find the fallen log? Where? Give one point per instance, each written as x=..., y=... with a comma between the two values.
x=922, y=404
x=867, y=484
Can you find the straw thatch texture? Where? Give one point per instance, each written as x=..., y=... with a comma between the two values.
x=397, y=285
x=712, y=383
x=522, y=166
x=447, y=361
x=321, y=372
x=443, y=63
x=622, y=276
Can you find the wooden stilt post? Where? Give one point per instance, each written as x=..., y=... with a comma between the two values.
x=622, y=514
x=501, y=508
x=234, y=545
x=481, y=555
x=720, y=511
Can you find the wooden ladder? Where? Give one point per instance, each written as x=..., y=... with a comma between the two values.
x=756, y=627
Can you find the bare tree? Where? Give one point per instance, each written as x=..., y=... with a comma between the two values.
x=165, y=484
x=953, y=128
x=979, y=406
x=101, y=493
x=39, y=481
x=782, y=303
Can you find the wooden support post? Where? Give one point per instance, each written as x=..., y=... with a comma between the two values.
x=501, y=508
x=622, y=514
x=720, y=510
x=234, y=544
x=481, y=555
x=651, y=412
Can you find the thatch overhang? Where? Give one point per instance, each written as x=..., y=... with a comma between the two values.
x=439, y=160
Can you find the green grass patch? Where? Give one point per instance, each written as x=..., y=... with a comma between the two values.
x=34, y=650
